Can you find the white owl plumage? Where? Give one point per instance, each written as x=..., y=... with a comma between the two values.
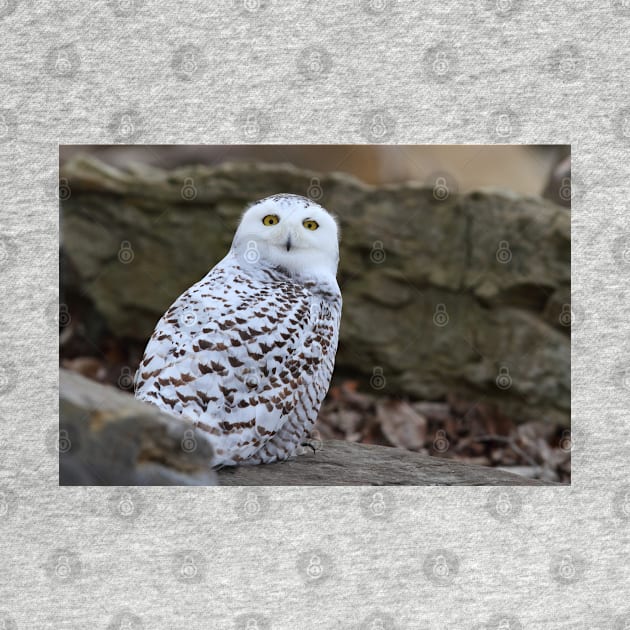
x=247, y=353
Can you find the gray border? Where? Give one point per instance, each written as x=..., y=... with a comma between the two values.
x=432, y=74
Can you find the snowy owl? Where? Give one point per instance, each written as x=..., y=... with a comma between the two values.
x=247, y=353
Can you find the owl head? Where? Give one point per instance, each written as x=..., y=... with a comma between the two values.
x=289, y=231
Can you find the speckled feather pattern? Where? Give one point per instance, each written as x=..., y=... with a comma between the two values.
x=246, y=354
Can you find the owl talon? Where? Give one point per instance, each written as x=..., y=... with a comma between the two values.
x=310, y=445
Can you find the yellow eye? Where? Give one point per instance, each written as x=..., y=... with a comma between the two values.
x=309, y=224
x=271, y=219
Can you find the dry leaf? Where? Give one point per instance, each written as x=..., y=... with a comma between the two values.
x=89, y=367
x=401, y=424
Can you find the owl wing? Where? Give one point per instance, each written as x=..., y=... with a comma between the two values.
x=311, y=369
x=231, y=354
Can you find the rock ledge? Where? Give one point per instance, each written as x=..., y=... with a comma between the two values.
x=109, y=438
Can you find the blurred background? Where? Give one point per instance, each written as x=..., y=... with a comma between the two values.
x=523, y=169
x=455, y=271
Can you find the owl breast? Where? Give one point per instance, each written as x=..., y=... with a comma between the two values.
x=246, y=355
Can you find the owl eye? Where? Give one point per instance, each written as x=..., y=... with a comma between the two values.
x=271, y=219
x=309, y=224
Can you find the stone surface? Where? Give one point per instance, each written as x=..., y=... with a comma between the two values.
x=341, y=463
x=465, y=294
x=109, y=438
x=106, y=437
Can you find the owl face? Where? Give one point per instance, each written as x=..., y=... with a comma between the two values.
x=288, y=231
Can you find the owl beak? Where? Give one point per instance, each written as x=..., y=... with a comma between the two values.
x=288, y=243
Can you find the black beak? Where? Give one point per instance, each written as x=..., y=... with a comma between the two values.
x=289, y=244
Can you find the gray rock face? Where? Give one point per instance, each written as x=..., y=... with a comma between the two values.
x=442, y=293
x=341, y=463
x=107, y=437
